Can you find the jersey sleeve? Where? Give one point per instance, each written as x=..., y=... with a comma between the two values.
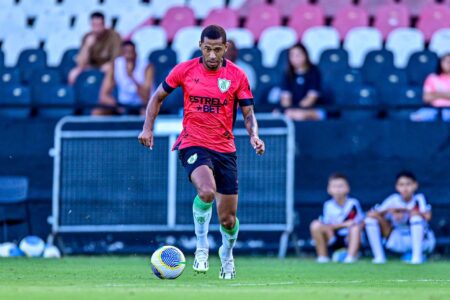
x=174, y=79
x=386, y=204
x=326, y=214
x=423, y=206
x=244, y=92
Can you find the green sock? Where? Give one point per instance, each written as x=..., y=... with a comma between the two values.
x=202, y=216
x=229, y=237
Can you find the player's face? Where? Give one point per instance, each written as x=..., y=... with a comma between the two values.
x=445, y=64
x=213, y=52
x=338, y=188
x=97, y=25
x=297, y=57
x=129, y=52
x=406, y=187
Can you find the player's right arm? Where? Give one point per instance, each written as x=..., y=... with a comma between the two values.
x=153, y=107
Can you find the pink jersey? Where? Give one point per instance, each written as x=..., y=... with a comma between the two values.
x=210, y=103
x=438, y=83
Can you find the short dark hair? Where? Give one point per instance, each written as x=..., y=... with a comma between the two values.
x=338, y=175
x=407, y=174
x=214, y=32
x=97, y=14
x=128, y=43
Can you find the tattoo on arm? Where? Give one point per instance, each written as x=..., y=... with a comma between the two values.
x=250, y=120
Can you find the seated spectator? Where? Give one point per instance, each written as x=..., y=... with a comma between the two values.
x=340, y=225
x=436, y=92
x=133, y=78
x=232, y=54
x=98, y=48
x=300, y=89
x=402, y=220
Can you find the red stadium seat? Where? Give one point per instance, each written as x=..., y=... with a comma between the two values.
x=416, y=6
x=372, y=6
x=262, y=17
x=306, y=16
x=177, y=18
x=391, y=16
x=350, y=17
x=286, y=7
x=433, y=18
x=331, y=7
x=225, y=17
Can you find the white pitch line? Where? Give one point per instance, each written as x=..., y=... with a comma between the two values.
x=261, y=284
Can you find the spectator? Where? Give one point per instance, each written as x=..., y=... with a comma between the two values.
x=233, y=55
x=340, y=225
x=436, y=93
x=402, y=219
x=98, y=49
x=133, y=78
x=300, y=89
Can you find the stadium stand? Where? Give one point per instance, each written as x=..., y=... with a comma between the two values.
x=305, y=16
x=420, y=65
x=403, y=42
x=440, y=42
x=348, y=18
x=375, y=63
x=332, y=7
x=15, y=94
x=318, y=39
x=359, y=42
x=391, y=16
x=203, y=8
x=272, y=41
x=176, y=18
x=287, y=7
x=432, y=18
x=225, y=17
x=262, y=17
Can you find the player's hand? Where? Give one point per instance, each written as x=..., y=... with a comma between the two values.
x=146, y=138
x=258, y=145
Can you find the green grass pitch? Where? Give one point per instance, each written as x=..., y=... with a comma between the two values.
x=110, y=278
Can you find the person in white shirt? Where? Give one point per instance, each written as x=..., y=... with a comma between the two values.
x=401, y=222
x=341, y=223
x=133, y=78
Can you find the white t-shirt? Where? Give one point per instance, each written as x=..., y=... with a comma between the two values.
x=127, y=90
x=333, y=213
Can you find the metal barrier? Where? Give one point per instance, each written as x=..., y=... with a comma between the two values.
x=104, y=181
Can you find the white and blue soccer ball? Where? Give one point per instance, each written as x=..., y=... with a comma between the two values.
x=51, y=251
x=10, y=250
x=32, y=246
x=168, y=262
x=339, y=255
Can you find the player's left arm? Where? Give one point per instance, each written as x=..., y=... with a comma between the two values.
x=252, y=128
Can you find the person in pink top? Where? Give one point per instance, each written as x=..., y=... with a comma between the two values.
x=436, y=93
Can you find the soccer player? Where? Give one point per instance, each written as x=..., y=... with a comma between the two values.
x=340, y=225
x=402, y=220
x=213, y=88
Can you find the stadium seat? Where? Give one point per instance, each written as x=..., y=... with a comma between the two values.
x=9, y=76
x=186, y=42
x=373, y=7
x=361, y=95
x=306, y=16
x=344, y=84
x=116, y=8
x=319, y=39
x=243, y=7
x=262, y=17
x=12, y=21
x=420, y=65
x=252, y=56
x=13, y=205
x=15, y=43
x=149, y=39
x=440, y=42
x=160, y=7
x=177, y=18
x=68, y=62
x=416, y=6
x=42, y=79
x=58, y=95
x=30, y=60
x=202, y=8
x=287, y=7
x=409, y=95
x=272, y=41
x=12, y=95
x=58, y=43
x=348, y=18
x=33, y=10
x=403, y=42
x=266, y=80
x=333, y=60
x=389, y=85
x=390, y=17
x=163, y=61
x=433, y=18
x=77, y=7
x=375, y=63
x=332, y=7
x=359, y=42
x=51, y=23
x=129, y=23
x=243, y=38
x=225, y=17
x=2, y=59
x=87, y=88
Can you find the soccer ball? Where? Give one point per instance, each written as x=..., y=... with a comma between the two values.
x=168, y=262
x=51, y=251
x=10, y=250
x=339, y=255
x=32, y=246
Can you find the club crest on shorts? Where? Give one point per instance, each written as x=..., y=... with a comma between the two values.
x=224, y=84
x=192, y=159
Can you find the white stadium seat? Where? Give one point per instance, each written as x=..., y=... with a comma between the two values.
x=318, y=39
x=15, y=43
x=75, y=7
x=186, y=42
x=440, y=42
x=148, y=39
x=128, y=22
x=403, y=42
x=53, y=21
x=202, y=8
x=360, y=41
x=242, y=38
x=58, y=43
x=33, y=9
x=121, y=8
x=160, y=7
x=11, y=21
x=235, y=4
x=272, y=41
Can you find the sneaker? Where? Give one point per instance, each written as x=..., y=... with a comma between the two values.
x=322, y=259
x=227, y=270
x=201, y=260
x=349, y=259
x=379, y=261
